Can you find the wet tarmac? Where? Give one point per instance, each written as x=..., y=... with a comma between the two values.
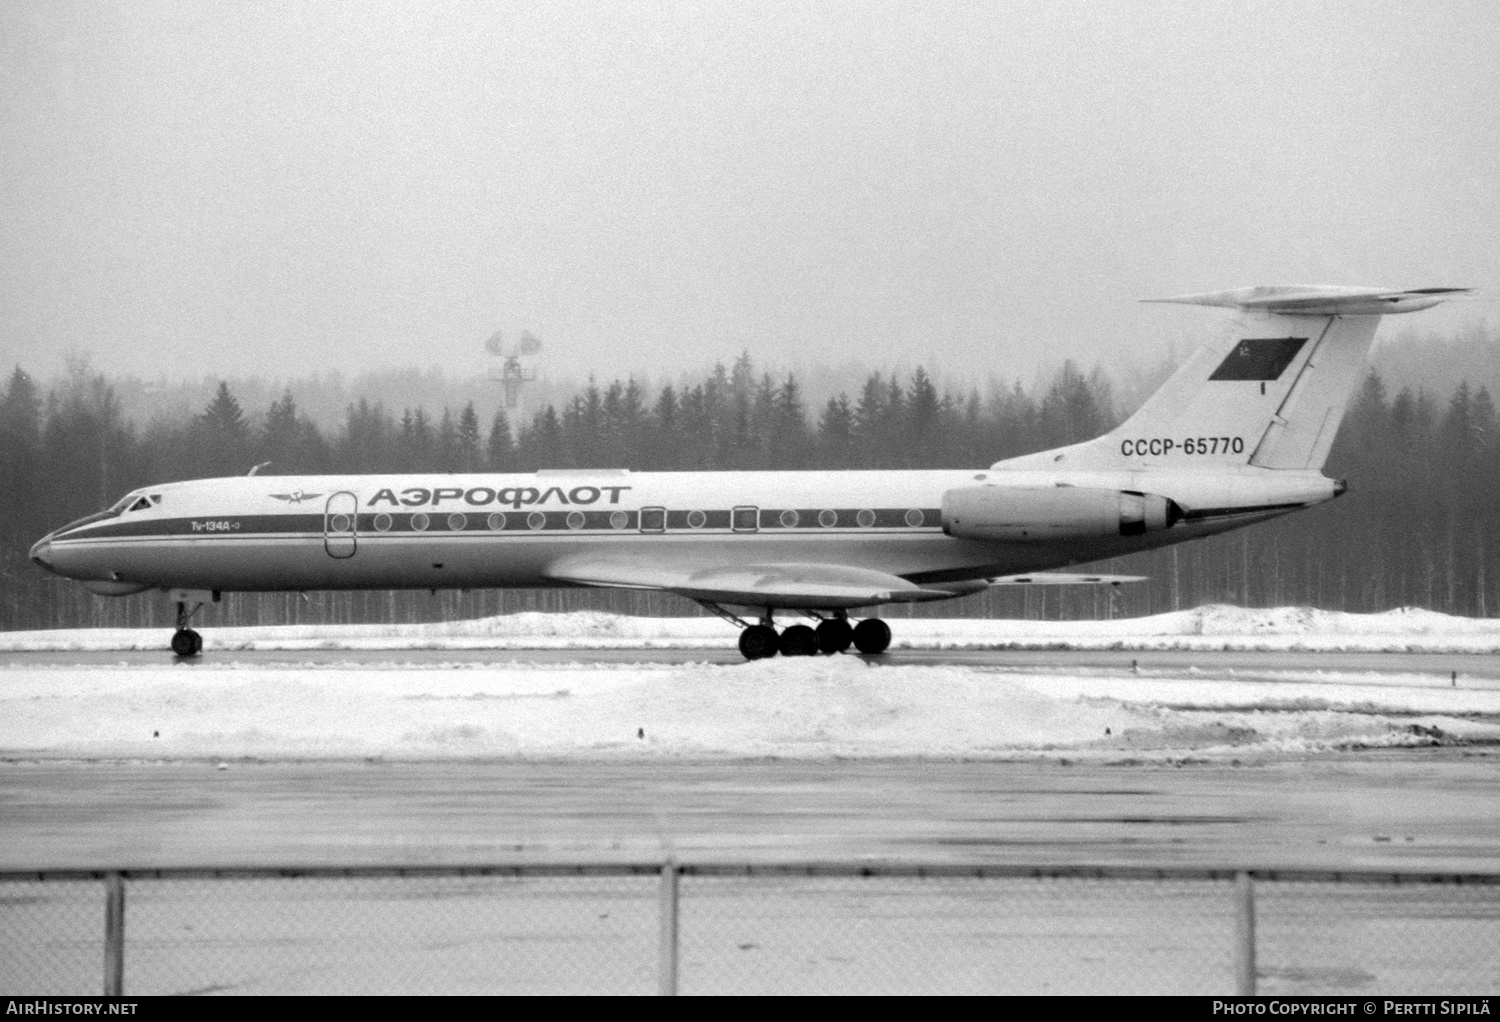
x=1399, y=809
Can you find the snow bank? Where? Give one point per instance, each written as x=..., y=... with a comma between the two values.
x=1206, y=628
x=798, y=708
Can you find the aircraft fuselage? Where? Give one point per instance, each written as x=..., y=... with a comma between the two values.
x=433, y=530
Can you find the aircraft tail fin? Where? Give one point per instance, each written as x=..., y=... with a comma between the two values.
x=1269, y=392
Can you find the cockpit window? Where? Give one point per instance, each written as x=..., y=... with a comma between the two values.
x=131, y=502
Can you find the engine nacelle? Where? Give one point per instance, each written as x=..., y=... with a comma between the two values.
x=1012, y=514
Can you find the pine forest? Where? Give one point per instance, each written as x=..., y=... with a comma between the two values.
x=1415, y=529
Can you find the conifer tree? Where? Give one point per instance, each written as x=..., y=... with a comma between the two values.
x=923, y=425
x=468, y=439
x=223, y=436
x=790, y=446
x=449, y=453
x=501, y=451
x=366, y=443
x=20, y=460
x=542, y=446
x=663, y=452
x=290, y=441
x=836, y=435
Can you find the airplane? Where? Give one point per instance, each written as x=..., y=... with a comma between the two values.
x=1238, y=435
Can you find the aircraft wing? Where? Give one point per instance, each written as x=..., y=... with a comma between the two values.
x=793, y=586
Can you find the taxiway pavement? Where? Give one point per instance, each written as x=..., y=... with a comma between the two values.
x=1403, y=808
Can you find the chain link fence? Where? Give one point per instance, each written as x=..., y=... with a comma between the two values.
x=51, y=935
x=784, y=929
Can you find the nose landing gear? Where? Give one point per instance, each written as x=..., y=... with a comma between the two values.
x=186, y=642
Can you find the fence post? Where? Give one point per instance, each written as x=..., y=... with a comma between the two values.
x=114, y=935
x=1244, y=934
x=667, y=969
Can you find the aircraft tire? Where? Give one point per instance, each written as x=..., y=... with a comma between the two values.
x=872, y=636
x=758, y=642
x=799, y=640
x=186, y=643
x=834, y=636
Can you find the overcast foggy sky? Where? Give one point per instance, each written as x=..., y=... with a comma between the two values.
x=288, y=188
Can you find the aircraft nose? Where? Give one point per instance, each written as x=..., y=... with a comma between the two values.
x=41, y=551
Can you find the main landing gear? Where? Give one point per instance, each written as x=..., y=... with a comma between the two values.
x=832, y=635
x=187, y=643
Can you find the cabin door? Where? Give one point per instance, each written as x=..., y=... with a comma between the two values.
x=340, y=524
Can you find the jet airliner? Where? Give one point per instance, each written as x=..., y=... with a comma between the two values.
x=1239, y=434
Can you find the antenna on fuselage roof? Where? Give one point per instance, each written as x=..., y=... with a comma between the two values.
x=257, y=468
x=510, y=373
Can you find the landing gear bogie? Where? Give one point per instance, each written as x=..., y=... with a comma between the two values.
x=833, y=635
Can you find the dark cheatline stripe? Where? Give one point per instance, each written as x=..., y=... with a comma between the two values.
x=848, y=518
x=375, y=524
x=227, y=525
x=482, y=521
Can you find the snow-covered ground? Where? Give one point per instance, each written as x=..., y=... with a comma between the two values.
x=1206, y=628
x=805, y=707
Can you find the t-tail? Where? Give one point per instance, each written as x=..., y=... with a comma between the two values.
x=1269, y=392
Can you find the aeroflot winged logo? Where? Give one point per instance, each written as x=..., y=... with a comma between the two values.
x=296, y=496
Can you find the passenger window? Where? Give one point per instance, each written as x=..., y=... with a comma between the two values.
x=653, y=519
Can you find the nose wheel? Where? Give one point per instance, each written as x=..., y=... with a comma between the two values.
x=186, y=643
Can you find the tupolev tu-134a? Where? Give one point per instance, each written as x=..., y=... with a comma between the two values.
x=1239, y=434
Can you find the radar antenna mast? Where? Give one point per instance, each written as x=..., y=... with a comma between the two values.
x=510, y=373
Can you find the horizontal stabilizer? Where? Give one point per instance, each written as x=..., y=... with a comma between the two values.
x=1064, y=579
x=1320, y=300
x=793, y=586
x=1268, y=392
